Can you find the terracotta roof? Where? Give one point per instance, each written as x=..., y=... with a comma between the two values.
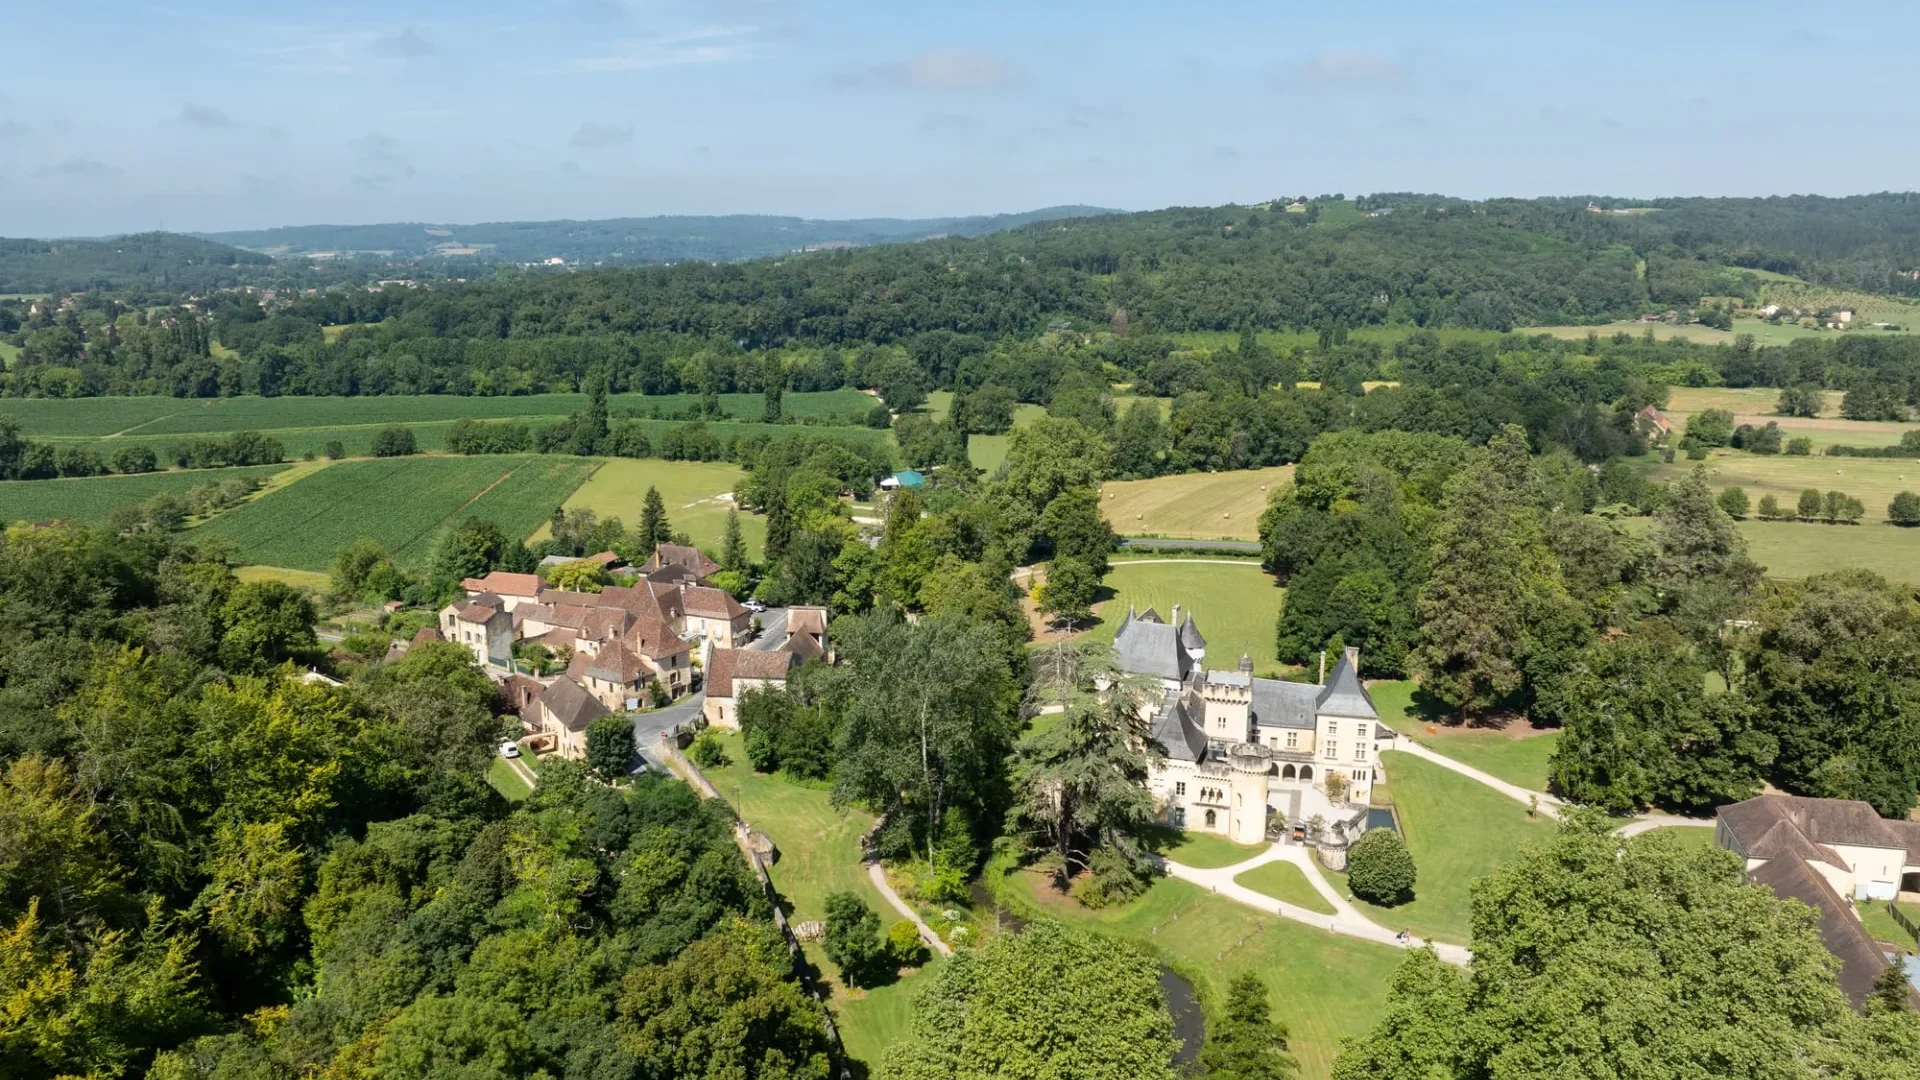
x=1771, y=826
x=504, y=584
x=614, y=663
x=806, y=620
x=605, y=558
x=563, y=598
x=480, y=609
x=559, y=638
x=674, y=575
x=655, y=638
x=1841, y=931
x=681, y=555
x=710, y=603
x=570, y=704
x=805, y=646
x=730, y=664
x=520, y=692
x=425, y=634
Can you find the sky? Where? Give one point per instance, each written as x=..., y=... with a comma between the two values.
x=204, y=115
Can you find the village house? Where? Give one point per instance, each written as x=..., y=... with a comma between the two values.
x=733, y=672
x=807, y=633
x=513, y=589
x=1652, y=423
x=666, y=556
x=1823, y=853
x=714, y=615
x=562, y=712
x=1245, y=756
x=482, y=624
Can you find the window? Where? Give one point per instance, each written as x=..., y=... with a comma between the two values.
x=1361, y=776
x=1332, y=751
x=1360, y=751
x=1180, y=816
x=1180, y=788
x=1293, y=740
x=1333, y=727
x=1210, y=819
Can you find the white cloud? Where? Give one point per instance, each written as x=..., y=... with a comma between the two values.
x=592, y=136
x=77, y=169
x=701, y=45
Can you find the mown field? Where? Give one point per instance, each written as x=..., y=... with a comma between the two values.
x=1516, y=756
x=88, y=500
x=404, y=503
x=1209, y=506
x=1874, y=481
x=987, y=452
x=697, y=494
x=1755, y=405
x=1235, y=605
x=1764, y=333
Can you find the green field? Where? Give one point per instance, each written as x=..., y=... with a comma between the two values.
x=8, y=354
x=1235, y=604
x=1286, y=883
x=506, y=781
x=1795, y=550
x=985, y=451
x=1204, y=506
x=1764, y=333
x=1324, y=987
x=697, y=495
x=1204, y=851
x=1881, y=925
x=404, y=503
x=1874, y=481
x=1755, y=405
x=818, y=851
x=88, y=500
x=1458, y=830
x=1516, y=757
x=47, y=417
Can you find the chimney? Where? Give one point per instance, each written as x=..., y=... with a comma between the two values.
x=1246, y=664
x=1323, y=667
x=1175, y=622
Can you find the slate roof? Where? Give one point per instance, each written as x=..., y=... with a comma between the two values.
x=1861, y=960
x=1150, y=648
x=1277, y=703
x=479, y=609
x=1176, y=729
x=570, y=705
x=1190, y=634
x=730, y=664
x=1772, y=826
x=1345, y=694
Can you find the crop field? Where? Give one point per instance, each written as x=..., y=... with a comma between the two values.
x=88, y=500
x=100, y=417
x=1193, y=506
x=404, y=503
x=1235, y=604
x=697, y=494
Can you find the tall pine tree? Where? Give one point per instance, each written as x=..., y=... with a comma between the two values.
x=779, y=525
x=733, y=554
x=776, y=385
x=654, y=529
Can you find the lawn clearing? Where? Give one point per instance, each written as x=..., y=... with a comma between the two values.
x=1764, y=333
x=1796, y=549
x=987, y=452
x=1235, y=604
x=404, y=503
x=88, y=500
x=1286, y=883
x=1881, y=925
x=1459, y=830
x=8, y=354
x=1323, y=986
x=1874, y=481
x=311, y=581
x=1756, y=405
x=1517, y=753
x=697, y=495
x=1205, y=851
x=1747, y=401
x=1194, y=506
x=506, y=781
x=818, y=854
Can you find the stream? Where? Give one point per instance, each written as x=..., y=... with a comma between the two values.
x=1189, y=1021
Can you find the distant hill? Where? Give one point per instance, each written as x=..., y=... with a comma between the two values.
x=634, y=241
x=165, y=262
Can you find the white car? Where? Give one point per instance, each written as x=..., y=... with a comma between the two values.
x=509, y=749
x=755, y=606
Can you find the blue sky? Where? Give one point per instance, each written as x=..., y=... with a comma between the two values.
x=217, y=114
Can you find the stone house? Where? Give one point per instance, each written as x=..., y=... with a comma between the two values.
x=512, y=589
x=1243, y=755
x=564, y=711
x=482, y=624
x=807, y=633
x=733, y=672
x=716, y=616
x=680, y=555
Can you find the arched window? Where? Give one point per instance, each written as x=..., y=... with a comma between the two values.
x=1287, y=773
x=1210, y=819
x=1306, y=772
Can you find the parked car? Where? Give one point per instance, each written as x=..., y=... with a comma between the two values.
x=509, y=749
x=755, y=606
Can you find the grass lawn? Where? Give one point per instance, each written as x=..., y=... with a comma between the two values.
x=1881, y=925
x=1324, y=986
x=506, y=781
x=1796, y=549
x=309, y=580
x=1741, y=401
x=1689, y=835
x=1874, y=481
x=1234, y=604
x=697, y=494
x=1517, y=755
x=987, y=452
x=8, y=354
x=1458, y=830
x=1284, y=882
x=1204, y=506
x=1204, y=851
x=819, y=854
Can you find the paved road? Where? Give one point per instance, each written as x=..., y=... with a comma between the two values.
x=1346, y=919
x=649, y=726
